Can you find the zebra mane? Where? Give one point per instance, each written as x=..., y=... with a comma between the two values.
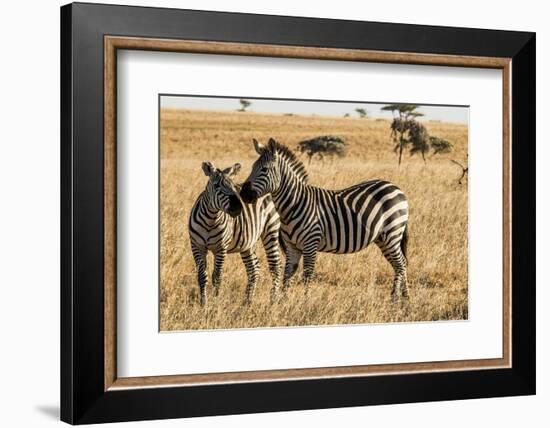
x=295, y=165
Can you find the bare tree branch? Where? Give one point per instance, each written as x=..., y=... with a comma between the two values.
x=464, y=170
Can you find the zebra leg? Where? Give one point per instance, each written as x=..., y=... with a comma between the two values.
x=293, y=256
x=219, y=260
x=252, y=271
x=394, y=255
x=310, y=257
x=199, y=254
x=404, y=284
x=271, y=246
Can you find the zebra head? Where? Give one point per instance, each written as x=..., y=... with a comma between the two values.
x=265, y=176
x=221, y=192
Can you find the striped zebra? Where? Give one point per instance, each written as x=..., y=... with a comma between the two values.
x=342, y=221
x=219, y=222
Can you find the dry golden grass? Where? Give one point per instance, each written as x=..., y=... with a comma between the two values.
x=351, y=288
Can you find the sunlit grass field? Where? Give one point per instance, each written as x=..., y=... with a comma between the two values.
x=352, y=288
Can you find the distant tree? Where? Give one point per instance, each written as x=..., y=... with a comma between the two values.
x=403, y=119
x=324, y=145
x=361, y=112
x=440, y=145
x=403, y=111
x=346, y=115
x=406, y=131
x=418, y=137
x=244, y=104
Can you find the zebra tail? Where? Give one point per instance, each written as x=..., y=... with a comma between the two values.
x=405, y=241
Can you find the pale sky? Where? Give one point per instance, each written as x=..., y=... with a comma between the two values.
x=322, y=108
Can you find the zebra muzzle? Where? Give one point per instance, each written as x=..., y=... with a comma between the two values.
x=248, y=194
x=235, y=206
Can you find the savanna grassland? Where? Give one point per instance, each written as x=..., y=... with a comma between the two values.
x=351, y=288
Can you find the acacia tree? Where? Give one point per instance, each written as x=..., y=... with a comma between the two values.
x=244, y=104
x=361, y=112
x=403, y=114
x=406, y=130
x=418, y=137
x=440, y=145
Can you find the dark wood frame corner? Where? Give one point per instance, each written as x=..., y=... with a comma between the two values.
x=90, y=389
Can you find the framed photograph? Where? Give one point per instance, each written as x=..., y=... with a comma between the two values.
x=266, y=213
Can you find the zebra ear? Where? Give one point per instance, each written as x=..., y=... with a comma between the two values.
x=208, y=168
x=232, y=170
x=258, y=146
x=272, y=145
x=271, y=149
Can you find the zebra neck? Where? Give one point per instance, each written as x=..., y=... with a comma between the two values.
x=212, y=217
x=291, y=194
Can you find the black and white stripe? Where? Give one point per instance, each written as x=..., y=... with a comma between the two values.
x=220, y=223
x=315, y=219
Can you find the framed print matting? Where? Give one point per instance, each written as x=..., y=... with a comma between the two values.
x=172, y=116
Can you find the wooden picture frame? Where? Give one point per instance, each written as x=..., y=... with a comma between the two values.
x=91, y=390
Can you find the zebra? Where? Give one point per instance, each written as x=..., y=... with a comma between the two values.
x=318, y=220
x=221, y=223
